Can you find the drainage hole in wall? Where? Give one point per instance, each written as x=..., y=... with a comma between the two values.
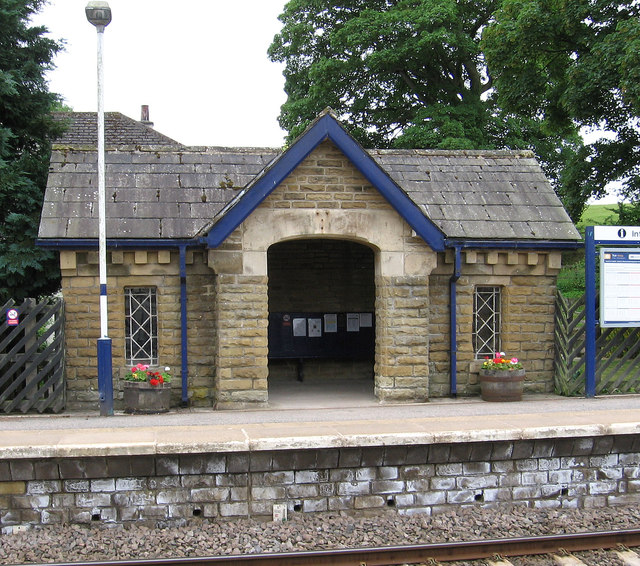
x=564, y=491
x=391, y=502
x=479, y=496
x=297, y=507
x=197, y=512
x=96, y=517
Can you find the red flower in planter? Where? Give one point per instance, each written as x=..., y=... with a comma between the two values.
x=500, y=362
x=141, y=372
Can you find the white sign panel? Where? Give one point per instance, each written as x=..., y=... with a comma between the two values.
x=619, y=287
x=617, y=233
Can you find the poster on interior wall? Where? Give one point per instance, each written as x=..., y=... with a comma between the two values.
x=330, y=323
x=366, y=320
x=299, y=326
x=315, y=327
x=353, y=322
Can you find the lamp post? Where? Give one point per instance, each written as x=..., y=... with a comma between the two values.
x=99, y=14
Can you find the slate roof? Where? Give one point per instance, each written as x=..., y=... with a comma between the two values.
x=480, y=194
x=82, y=129
x=151, y=192
x=162, y=190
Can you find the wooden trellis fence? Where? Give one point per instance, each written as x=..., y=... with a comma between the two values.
x=617, y=353
x=32, y=357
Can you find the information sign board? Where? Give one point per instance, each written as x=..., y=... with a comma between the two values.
x=619, y=287
x=622, y=234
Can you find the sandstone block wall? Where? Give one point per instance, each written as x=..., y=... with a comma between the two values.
x=242, y=346
x=528, y=286
x=169, y=489
x=159, y=269
x=402, y=339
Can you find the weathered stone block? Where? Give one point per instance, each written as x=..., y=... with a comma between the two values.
x=234, y=509
x=14, y=488
x=93, y=500
x=22, y=470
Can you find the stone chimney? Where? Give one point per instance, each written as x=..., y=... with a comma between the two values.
x=144, y=116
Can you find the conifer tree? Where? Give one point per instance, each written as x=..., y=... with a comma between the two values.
x=26, y=131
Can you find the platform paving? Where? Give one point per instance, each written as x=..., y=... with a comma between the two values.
x=316, y=421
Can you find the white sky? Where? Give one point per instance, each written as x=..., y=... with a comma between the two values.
x=200, y=65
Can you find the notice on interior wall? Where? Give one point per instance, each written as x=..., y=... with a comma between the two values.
x=330, y=323
x=366, y=320
x=353, y=322
x=299, y=326
x=315, y=327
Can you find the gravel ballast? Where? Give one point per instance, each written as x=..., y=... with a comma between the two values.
x=94, y=542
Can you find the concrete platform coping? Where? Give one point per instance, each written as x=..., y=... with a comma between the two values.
x=298, y=427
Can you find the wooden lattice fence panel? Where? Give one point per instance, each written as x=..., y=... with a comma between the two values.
x=570, y=340
x=617, y=353
x=32, y=358
x=618, y=361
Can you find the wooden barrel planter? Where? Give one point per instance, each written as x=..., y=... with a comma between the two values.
x=140, y=397
x=503, y=385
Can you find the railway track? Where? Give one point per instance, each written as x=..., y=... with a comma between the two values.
x=431, y=554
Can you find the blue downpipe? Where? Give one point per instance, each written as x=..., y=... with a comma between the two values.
x=183, y=325
x=453, y=324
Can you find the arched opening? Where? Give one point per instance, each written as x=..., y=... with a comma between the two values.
x=321, y=322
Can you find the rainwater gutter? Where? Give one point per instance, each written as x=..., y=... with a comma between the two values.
x=453, y=324
x=515, y=244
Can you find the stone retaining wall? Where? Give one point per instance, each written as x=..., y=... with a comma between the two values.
x=165, y=489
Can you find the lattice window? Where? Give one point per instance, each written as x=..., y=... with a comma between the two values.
x=486, y=321
x=141, y=325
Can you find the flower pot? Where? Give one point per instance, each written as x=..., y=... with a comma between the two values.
x=502, y=385
x=140, y=397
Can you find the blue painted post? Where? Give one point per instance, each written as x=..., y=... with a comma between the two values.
x=105, y=377
x=590, y=312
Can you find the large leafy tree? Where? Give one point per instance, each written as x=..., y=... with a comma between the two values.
x=26, y=130
x=575, y=62
x=410, y=73
x=386, y=67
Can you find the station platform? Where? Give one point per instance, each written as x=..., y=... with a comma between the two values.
x=311, y=420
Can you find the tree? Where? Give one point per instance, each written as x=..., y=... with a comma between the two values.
x=26, y=131
x=574, y=62
x=410, y=74
x=387, y=67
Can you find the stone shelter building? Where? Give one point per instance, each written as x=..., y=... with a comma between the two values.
x=237, y=267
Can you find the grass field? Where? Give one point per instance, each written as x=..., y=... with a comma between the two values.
x=571, y=276
x=598, y=215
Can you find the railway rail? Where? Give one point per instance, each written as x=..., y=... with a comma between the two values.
x=435, y=553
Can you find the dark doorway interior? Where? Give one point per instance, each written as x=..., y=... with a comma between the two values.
x=321, y=312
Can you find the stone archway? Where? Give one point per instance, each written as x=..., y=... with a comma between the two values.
x=321, y=314
x=402, y=266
